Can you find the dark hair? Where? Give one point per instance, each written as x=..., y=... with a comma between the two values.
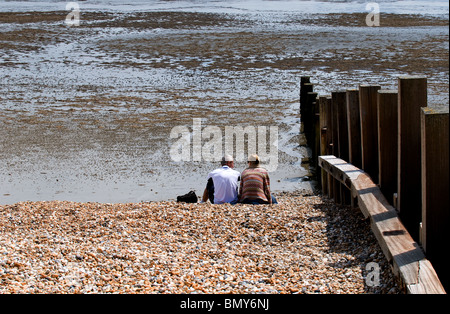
x=226, y=159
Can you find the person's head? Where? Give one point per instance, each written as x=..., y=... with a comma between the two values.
x=253, y=161
x=227, y=160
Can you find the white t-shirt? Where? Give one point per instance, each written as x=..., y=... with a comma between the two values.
x=226, y=184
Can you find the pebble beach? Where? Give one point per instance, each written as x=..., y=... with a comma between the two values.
x=303, y=245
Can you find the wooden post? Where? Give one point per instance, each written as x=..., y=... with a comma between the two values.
x=329, y=115
x=335, y=125
x=340, y=141
x=309, y=124
x=343, y=139
x=306, y=119
x=354, y=128
x=335, y=146
x=329, y=151
x=387, y=142
x=323, y=140
x=342, y=125
x=305, y=89
x=369, y=132
x=435, y=189
x=303, y=80
x=341, y=101
x=316, y=138
x=412, y=95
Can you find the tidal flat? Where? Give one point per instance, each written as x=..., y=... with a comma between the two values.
x=86, y=111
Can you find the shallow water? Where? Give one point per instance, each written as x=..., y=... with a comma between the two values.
x=87, y=111
x=235, y=6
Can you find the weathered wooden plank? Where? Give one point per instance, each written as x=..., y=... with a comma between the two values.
x=387, y=110
x=354, y=128
x=399, y=247
x=341, y=102
x=412, y=95
x=335, y=145
x=426, y=284
x=316, y=137
x=323, y=140
x=334, y=124
x=369, y=134
x=338, y=102
x=343, y=151
x=309, y=121
x=329, y=149
x=435, y=188
x=305, y=88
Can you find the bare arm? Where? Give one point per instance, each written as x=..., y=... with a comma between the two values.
x=267, y=189
x=205, y=195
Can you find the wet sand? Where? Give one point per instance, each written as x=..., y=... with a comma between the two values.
x=86, y=112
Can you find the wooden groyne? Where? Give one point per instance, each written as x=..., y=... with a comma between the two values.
x=386, y=152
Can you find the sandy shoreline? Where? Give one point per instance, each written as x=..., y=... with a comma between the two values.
x=305, y=244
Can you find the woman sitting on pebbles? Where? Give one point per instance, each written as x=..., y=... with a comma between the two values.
x=255, y=184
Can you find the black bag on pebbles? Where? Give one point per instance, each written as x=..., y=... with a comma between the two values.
x=190, y=197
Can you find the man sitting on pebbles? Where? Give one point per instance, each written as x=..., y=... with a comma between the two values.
x=222, y=186
x=255, y=184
